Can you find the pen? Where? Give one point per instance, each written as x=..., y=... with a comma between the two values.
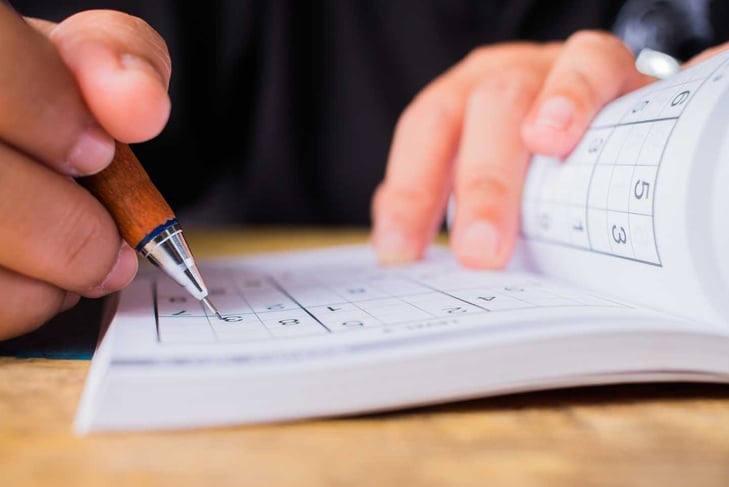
x=146, y=221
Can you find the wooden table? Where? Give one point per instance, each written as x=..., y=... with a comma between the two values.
x=647, y=435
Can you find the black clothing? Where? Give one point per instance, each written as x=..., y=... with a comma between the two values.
x=283, y=110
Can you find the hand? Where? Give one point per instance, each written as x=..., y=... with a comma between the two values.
x=66, y=90
x=471, y=133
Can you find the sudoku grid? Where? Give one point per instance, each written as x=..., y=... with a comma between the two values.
x=306, y=303
x=602, y=197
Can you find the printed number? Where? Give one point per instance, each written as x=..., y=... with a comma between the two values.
x=275, y=307
x=641, y=189
x=352, y=324
x=289, y=321
x=640, y=106
x=595, y=145
x=578, y=227
x=232, y=318
x=332, y=308
x=177, y=299
x=487, y=298
x=356, y=290
x=544, y=221
x=680, y=98
x=455, y=309
x=619, y=234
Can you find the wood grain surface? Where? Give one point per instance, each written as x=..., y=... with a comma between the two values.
x=641, y=434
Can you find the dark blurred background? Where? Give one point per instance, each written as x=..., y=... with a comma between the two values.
x=283, y=110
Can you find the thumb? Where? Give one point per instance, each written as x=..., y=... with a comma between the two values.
x=122, y=67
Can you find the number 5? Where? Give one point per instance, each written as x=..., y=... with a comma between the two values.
x=641, y=189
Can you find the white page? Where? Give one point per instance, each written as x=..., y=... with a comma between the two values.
x=291, y=301
x=302, y=316
x=638, y=209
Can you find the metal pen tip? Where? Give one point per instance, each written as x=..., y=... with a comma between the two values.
x=212, y=308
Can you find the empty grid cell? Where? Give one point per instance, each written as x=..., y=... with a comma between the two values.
x=533, y=181
x=613, y=145
x=441, y=280
x=553, y=301
x=185, y=330
x=600, y=187
x=655, y=142
x=399, y=285
x=551, y=191
x=619, y=192
x=313, y=295
x=644, y=244
x=633, y=143
x=386, y=309
x=597, y=224
x=236, y=331
x=530, y=220
x=580, y=185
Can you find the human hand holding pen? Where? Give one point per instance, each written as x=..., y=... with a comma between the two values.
x=67, y=91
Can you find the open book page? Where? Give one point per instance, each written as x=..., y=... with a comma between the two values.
x=342, y=294
x=638, y=209
x=330, y=332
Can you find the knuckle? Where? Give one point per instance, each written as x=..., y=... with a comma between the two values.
x=430, y=112
x=27, y=305
x=487, y=192
x=89, y=247
x=590, y=37
x=514, y=84
x=404, y=203
x=478, y=55
x=598, y=41
x=583, y=87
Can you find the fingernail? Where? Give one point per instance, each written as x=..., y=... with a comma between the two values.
x=129, y=61
x=393, y=246
x=479, y=243
x=556, y=113
x=70, y=301
x=93, y=151
x=123, y=271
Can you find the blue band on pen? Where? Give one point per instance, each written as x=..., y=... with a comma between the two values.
x=151, y=235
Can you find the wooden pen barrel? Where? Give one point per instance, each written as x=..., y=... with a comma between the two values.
x=128, y=193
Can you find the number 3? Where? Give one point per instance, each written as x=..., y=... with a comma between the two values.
x=619, y=235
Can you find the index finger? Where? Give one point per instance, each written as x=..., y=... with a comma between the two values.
x=409, y=205
x=593, y=69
